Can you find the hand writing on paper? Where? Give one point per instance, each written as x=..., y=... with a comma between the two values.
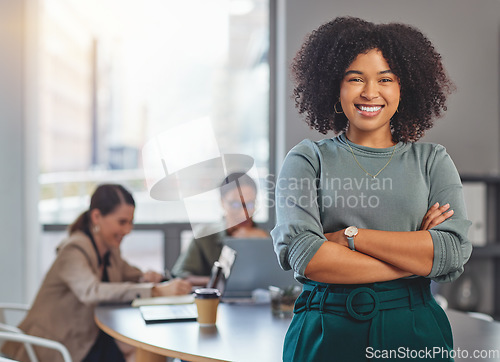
x=172, y=287
x=151, y=277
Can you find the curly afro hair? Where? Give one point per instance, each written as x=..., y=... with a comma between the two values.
x=319, y=67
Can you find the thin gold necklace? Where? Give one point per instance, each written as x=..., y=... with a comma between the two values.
x=361, y=167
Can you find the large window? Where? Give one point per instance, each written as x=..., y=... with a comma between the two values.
x=118, y=75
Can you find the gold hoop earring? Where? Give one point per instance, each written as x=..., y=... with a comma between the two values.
x=335, y=108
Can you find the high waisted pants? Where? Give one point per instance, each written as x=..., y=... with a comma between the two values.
x=387, y=321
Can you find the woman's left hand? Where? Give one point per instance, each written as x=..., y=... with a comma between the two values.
x=151, y=277
x=435, y=216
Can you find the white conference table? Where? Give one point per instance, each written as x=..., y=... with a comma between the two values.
x=246, y=332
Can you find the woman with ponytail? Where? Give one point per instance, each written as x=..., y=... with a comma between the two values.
x=89, y=270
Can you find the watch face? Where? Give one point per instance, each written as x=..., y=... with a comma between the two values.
x=351, y=231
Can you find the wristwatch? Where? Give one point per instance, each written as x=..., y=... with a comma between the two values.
x=351, y=232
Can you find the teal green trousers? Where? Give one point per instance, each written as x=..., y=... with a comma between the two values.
x=388, y=321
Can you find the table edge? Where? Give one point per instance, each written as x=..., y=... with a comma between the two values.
x=151, y=348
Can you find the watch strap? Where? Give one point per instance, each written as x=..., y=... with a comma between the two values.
x=350, y=241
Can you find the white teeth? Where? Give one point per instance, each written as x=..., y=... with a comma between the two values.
x=370, y=109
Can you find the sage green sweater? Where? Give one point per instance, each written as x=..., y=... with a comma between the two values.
x=321, y=189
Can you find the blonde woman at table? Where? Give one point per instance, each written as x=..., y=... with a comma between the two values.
x=368, y=218
x=89, y=270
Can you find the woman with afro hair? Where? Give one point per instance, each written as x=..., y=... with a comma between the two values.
x=368, y=218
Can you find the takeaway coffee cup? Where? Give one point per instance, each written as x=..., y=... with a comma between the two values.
x=207, y=301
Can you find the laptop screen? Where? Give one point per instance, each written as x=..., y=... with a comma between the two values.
x=221, y=269
x=255, y=267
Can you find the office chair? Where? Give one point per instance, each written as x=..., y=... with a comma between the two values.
x=441, y=301
x=29, y=348
x=483, y=316
x=16, y=307
x=13, y=333
x=37, y=341
x=3, y=359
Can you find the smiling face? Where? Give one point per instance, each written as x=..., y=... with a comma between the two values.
x=113, y=226
x=369, y=94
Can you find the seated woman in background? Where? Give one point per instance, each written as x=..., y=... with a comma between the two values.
x=238, y=202
x=89, y=270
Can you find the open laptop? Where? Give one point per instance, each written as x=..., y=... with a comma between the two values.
x=246, y=264
x=255, y=267
x=185, y=310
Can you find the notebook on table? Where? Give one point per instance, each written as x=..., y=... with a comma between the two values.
x=169, y=313
x=182, y=308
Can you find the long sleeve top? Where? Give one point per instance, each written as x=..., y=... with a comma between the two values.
x=200, y=255
x=321, y=189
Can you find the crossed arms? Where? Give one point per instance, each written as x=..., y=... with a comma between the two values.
x=379, y=255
